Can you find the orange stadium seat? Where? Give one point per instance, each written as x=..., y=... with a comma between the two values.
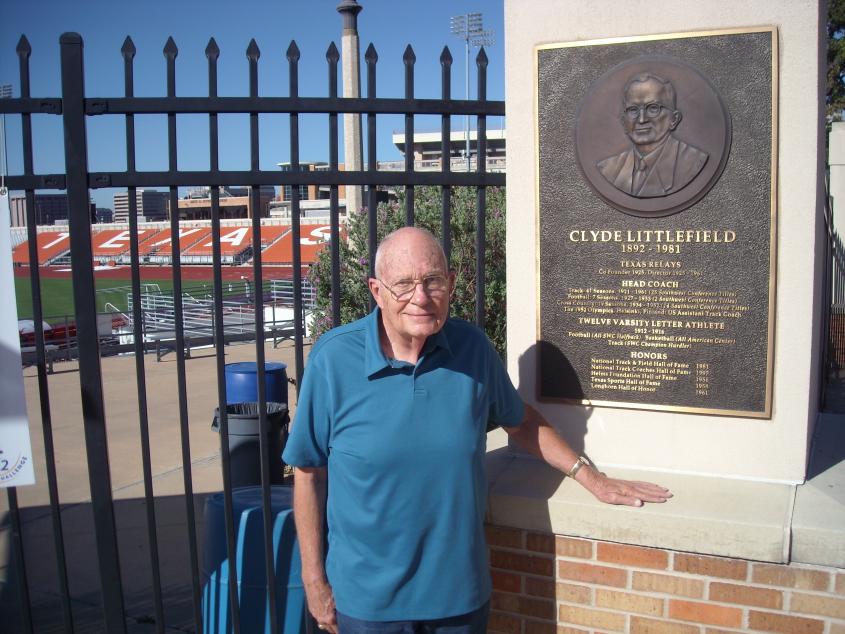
x=51, y=244
x=312, y=240
x=162, y=245
x=113, y=243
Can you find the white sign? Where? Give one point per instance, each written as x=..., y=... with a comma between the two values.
x=15, y=447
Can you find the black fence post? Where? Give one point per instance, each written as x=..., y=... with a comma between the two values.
x=409, y=58
x=90, y=372
x=371, y=57
x=481, y=194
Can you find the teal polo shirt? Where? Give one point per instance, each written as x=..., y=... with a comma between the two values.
x=404, y=445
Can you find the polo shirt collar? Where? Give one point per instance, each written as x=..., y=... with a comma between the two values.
x=374, y=358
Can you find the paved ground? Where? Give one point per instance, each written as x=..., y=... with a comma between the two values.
x=124, y=446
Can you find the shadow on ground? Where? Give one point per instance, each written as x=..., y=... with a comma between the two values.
x=42, y=573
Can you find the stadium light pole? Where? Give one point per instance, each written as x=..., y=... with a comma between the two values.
x=5, y=93
x=470, y=28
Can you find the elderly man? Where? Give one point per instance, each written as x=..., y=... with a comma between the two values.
x=391, y=427
x=658, y=163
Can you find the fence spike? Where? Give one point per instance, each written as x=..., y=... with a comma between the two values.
x=252, y=51
x=212, y=51
x=481, y=59
x=293, y=52
x=446, y=57
x=23, y=49
x=332, y=54
x=409, y=57
x=371, y=56
x=170, y=48
x=128, y=48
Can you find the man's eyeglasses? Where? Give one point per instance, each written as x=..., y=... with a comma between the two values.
x=651, y=110
x=432, y=285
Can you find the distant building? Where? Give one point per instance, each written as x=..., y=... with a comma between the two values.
x=49, y=209
x=104, y=214
x=235, y=202
x=151, y=205
x=427, y=151
x=311, y=192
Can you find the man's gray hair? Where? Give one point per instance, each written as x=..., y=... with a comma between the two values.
x=385, y=243
x=666, y=88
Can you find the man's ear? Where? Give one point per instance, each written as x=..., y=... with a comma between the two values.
x=676, y=119
x=375, y=290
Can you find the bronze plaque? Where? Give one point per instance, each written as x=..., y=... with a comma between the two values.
x=656, y=224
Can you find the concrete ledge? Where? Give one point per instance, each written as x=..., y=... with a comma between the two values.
x=818, y=524
x=708, y=515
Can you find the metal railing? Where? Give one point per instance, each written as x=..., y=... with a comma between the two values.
x=74, y=107
x=833, y=326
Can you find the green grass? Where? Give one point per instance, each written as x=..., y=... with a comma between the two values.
x=57, y=296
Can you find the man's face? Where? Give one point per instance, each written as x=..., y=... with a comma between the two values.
x=413, y=257
x=647, y=118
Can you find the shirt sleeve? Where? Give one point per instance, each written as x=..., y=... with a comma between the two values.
x=506, y=405
x=308, y=442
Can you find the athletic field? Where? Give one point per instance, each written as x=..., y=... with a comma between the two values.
x=114, y=285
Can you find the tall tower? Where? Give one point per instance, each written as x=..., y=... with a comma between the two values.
x=351, y=64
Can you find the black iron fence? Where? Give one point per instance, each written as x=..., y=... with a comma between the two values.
x=75, y=107
x=833, y=327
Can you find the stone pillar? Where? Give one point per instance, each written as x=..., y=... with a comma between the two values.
x=350, y=64
x=774, y=449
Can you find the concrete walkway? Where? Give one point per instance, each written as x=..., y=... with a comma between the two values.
x=124, y=446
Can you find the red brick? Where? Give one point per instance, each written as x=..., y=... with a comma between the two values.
x=746, y=595
x=836, y=628
x=536, y=627
x=640, y=625
x=790, y=577
x=502, y=536
x=718, y=630
x=771, y=622
x=504, y=623
x=506, y=581
x=572, y=593
x=817, y=604
x=589, y=573
x=591, y=618
x=515, y=604
x=570, y=547
x=628, y=602
x=633, y=556
x=840, y=583
x=704, y=613
x=537, y=587
x=540, y=542
x=522, y=563
x=711, y=566
x=668, y=584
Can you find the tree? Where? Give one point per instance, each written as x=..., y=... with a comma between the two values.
x=354, y=265
x=835, y=100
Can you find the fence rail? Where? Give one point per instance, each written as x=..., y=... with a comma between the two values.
x=75, y=107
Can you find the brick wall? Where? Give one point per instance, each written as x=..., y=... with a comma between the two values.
x=548, y=584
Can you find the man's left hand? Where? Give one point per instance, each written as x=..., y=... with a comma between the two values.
x=627, y=492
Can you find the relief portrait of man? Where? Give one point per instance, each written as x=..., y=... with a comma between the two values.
x=657, y=163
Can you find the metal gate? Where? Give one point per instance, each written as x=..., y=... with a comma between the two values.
x=75, y=108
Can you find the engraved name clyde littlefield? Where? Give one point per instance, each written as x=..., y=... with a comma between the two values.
x=656, y=221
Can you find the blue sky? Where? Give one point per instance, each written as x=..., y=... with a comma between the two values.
x=389, y=24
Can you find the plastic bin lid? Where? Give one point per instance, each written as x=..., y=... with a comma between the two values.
x=251, y=367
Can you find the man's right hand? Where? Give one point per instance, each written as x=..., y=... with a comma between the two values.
x=321, y=605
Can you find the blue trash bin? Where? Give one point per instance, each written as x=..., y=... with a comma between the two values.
x=242, y=382
x=248, y=518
